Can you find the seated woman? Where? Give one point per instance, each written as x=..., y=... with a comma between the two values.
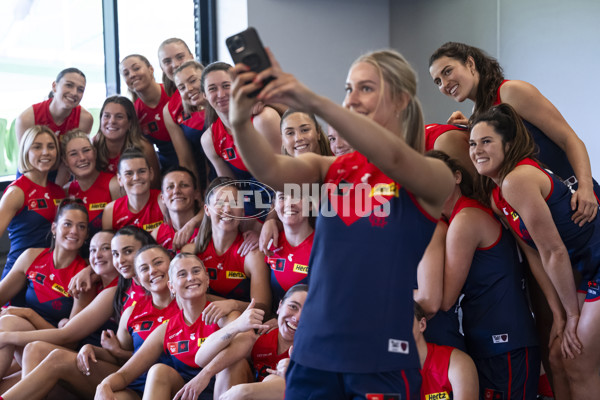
x=537, y=206
x=482, y=262
x=181, y=199
x=179, y=339
x=234, y=278
x=97, y=316
x=120, y=130
x=140, y=205
x=96, y=188
x=82, y=372
x=45, y=273
x=28, y=205
x=264, y=351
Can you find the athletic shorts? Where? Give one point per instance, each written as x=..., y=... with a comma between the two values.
x=304, y=383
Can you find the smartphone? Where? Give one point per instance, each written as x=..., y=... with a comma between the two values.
x=246, y=48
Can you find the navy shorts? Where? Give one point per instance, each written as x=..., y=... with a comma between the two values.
x=513, y=375
x=304, y=383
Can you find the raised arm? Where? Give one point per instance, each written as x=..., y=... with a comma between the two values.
x=532, y=106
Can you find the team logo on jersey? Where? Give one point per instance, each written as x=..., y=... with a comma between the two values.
x=56, y=287
x=37, y=277
x=229, y=153
x=235, y=275
x=398, y=346
x=277, y=264
x=385, y=189
x=180, y=347
x=212, y=273
x=503, y=338
x=152, y=126
x=56, y=305
x=491, y=394
x=437, y=396
x=97, y=206
x=144, y=326
x=301, y=269
x=152, y=226
x=37, y=204
x=383, y=396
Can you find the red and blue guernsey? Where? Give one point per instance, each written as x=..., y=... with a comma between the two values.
x=95, y=199
x=496, y=316
x=289, y=265
x=550, y=154
x=134, y=294
x=182, y=342
x=165, y=235
x=47, y=287
x=154, y=129
x=226, y=271
x=436, y=384
x=370, y=236
x=226, y=149
x=30, y=227
x=148, y=218
x=264, y=354
x=144, y=319
x=434, y=131
x=42, y=116
x=582, y=243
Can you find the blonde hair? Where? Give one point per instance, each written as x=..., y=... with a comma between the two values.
x=168, y=84
x=71, y=135
x=397, y=74
x=188, y=108
x=27, y=141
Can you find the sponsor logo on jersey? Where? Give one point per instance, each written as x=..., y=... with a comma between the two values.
x=277, y=264
x=302, y=269
x=180, y=347
x=235, y=275
x=383, y=396
x=97, y=206
x=398, y=346
x=437, y=396
x=502, y=338
x=491, y=394
x=57, y=201
x=56, y=287
x=201, y=341
x=385, y=189
x=152, y=226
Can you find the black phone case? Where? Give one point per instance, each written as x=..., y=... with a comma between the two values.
x=246, y=48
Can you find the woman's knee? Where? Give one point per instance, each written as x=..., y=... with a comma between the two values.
x=161, y=373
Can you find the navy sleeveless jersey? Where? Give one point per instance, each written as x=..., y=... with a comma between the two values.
x=369, y=238
x=496, y=316
x=582, y=243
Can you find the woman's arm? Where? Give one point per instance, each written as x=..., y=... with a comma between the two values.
x=462, y=375
x=120, y=346
x=524, y=189
x=272, y=388
x=220, y=165
x=141, y=361
x=86, y=121
x=267, y=124
x=107, y=216
x=430, y=272
x=16, y=279
x=10, y=204
x=115, y=188
x=180, y=143
x=260, y=277
x=27, y=313
x=83, y=324
x=82, y=301
x=532, y=106
x=152, y=159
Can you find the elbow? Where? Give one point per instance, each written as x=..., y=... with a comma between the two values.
x=430, y=304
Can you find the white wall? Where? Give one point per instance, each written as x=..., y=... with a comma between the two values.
x=317, y=40
x=552, y=44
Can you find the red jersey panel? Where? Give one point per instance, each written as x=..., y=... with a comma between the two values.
x=151, y=119
x=289, y=265
x=149, y=218
x=436, y=384
x=434, y=131
x=95, y=198
x=42, y=116
x=133, y=295
x=226, y=271
x=165, y=236
x=225, y=147
x=264, y=354
x=145, y=318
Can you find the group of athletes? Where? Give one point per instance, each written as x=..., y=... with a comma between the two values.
x=470, y=261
